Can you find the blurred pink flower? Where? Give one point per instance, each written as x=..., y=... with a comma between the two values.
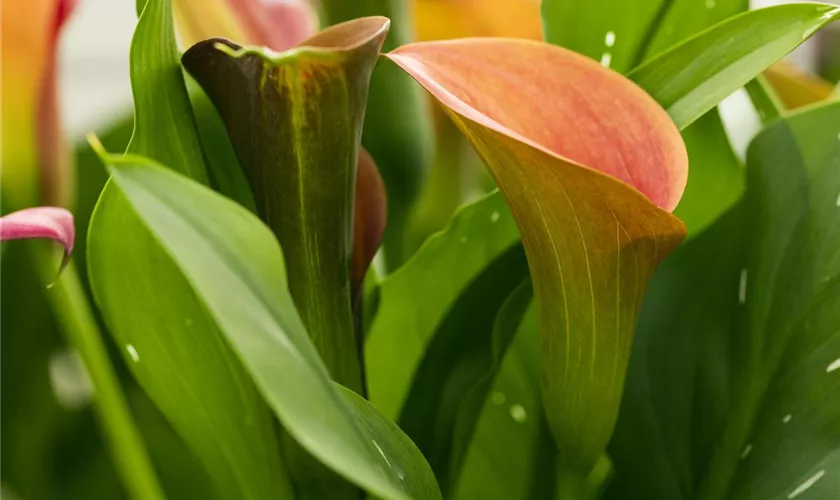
x=276, y=24
x=40, y=222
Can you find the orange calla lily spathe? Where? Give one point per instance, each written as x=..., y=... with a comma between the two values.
x=587, y=118
x=35, y=166
x=590, y=166
x=445, y=19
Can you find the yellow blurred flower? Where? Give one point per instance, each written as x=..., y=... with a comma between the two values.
x=444, y=19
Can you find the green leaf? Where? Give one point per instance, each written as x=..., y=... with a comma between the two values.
x=460, y=364
x=617, y=32
x=234, y=266
x=683, y=19
x=691, y=78
x=592, y=241
x=398, y=131
x=161, y=102
x=295, y=120
x=437, y=274
x=737, y=346
x=512, y=454
x=717, y=176
x=165, y=335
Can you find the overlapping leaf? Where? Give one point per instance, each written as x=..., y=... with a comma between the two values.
x=690, y=79
x=592, y=241
x=737, y=348
x=404, y=325
x=172, y=346
x=234, y=266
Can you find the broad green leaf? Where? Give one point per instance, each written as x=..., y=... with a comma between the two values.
x=592, y=241
x=691, y=78
x=164, y=333
x=294, y=119
x=234, y=266
x=460, y=364
x=512, y=454
x=438, y=273
x=682, y=19
x=397, y=130
x=616, y=33
x=737, y=347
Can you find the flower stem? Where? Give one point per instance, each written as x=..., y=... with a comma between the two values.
x=70, y=305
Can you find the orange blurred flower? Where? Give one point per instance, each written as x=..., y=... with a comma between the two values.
x=444, y=19
x=35, y=164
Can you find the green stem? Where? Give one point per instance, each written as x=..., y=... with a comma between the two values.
x=70, y=305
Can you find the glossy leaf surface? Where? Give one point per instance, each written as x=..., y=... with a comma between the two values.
x=690, y=79
x=512, y=454
x=461, y=362
x=234, y=265
x=737, y=344
x=592, y=241
x=295, y=119
x=164, y=333
x=617, y=33
x=399, y=335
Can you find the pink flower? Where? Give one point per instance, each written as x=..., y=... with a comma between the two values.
x=276, y=24
x=41, y=222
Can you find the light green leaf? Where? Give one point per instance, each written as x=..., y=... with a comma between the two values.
x=172, y=347
x=415, y=299
x=461, y=362
x=234, y=266
x=512, y=454
x=691, y=78
x=161, y=103
x=615, y=32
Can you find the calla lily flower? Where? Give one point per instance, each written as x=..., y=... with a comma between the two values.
x=280, y=25
x=35, y=164
x=276, y=24
x=445, y=19
x=41, y=222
